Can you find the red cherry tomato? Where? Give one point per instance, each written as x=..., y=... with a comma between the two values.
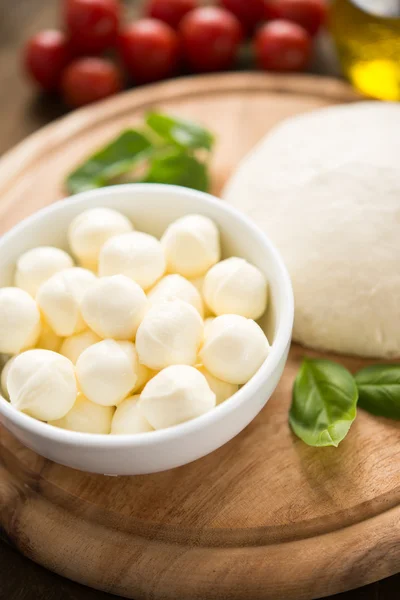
x=92, y=25
x=210, y=38
x=170, y=11
x=149, y=49
x=249, y=12
x=45, y=56
x=310, y=14
x=89, y=79
x=282, y=46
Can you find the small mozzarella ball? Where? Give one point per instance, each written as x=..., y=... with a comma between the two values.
x=176, y=286
x=137, y=255
x=87, y=417
x=20, y=323
x=128, y=418
x=48, y=340
x=207, y=323
x=143, y=376
x=73, y=346
x=114, y=307
x=42, y=384
x=191, y=245
x=175, y=395
x=107, y=371
x=234, y=348
x=90, y=230
x=59, y=299
x=4, y=375
x=234, y=286
x=37, y=266
x=222, y=389
x=198, y=283
x=170, y=334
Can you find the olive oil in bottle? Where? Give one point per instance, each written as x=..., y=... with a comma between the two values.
x=367, y=36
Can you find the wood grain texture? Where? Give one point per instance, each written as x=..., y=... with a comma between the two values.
x=265, y=516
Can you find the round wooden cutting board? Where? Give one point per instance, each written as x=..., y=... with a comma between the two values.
x=265, y=517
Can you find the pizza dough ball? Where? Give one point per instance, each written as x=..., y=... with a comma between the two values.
x=59, y=299
x=170, y=334
x=234, y=286
x=4, y=375
x=128, y=419
x=234, y=348
x=325, y=188
x=90, y=230
x=87, y=417
x=73, y=346
x=20, y=324
x=176, y=286
x=36, y=266
x=114, y=307
x=222, y=389
x=42, y=384
x=175, y=395
x=137, y=255
x=107, y=371
x=191, y=245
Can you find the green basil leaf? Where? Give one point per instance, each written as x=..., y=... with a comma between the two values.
x=324, y=403
x=115, y=159
x=179, y=131
x=379, y=390
x=176, y=167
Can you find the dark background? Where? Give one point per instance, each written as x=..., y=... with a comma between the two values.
x=23, y=111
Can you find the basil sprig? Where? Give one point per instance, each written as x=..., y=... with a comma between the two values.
x=166, y=149
x=324, y=403
x=325, y=397
x=379, y=390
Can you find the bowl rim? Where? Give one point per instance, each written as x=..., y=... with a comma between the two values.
x=282, y=338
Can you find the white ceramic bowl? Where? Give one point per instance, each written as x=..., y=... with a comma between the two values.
x=152, y=207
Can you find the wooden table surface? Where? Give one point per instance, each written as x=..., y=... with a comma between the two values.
x=23, y=111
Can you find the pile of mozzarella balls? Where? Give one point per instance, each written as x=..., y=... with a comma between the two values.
x=119, y=344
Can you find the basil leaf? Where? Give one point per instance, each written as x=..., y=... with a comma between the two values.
x=115, y=159
x=179, y=131
x=176, y=167
x=379, y=390
x=324, y=403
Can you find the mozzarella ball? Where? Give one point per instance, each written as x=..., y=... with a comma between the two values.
x=175, y=395
x=207, y=323
x=176, y=286
x=128, y=418
x=222, y=389
x=114, y=307
x=137, y=255
x=191, y=245
x=4, y=375
x=90, y=230
x=20, y=324
x=36, y=266
x=143, y=376
x=87, y=417
x=59, y=300
x=107, y=371
x=234, y=348
x=48, y=340
x=73, y=346
x=170, y=334
x=234, y=286
x=42, y=384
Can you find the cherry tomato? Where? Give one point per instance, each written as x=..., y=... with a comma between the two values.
x=282, y=46
x=92, y=24
x=210, y=38
x=45, y=56
x=149, y=49
x=310, y=14
x=249, y=12
x=170, y=11
x=89, y=79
